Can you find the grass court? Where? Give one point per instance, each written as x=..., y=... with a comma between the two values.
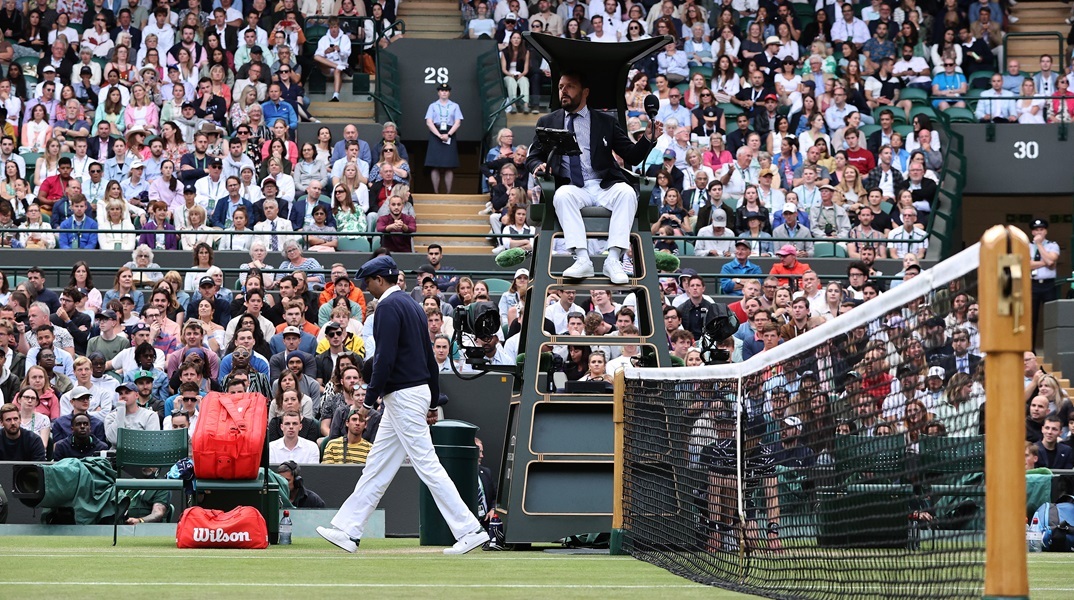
x=154, y=569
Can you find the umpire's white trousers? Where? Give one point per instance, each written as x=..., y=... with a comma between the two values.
x=403, y=432
x=621, y=199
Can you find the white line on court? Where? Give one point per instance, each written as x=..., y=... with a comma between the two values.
x=231, y=555
x=355, y=585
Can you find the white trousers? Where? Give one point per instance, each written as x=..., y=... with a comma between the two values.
x=516, y=87
x=403, y=432
x=620, y=199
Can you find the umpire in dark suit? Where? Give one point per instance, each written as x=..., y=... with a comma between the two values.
x=592, y=179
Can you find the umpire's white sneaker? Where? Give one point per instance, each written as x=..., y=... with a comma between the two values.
x=470, y=541
x=582, y=268
x=338, y=538
x=614, y=271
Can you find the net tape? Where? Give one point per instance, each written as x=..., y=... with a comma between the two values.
x=832, y=466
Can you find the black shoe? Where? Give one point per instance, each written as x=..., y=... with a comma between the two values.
x=334, y=99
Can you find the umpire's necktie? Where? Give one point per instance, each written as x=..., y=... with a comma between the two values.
x=574, y=161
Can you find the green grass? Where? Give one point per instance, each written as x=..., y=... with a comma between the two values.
x=152, y=568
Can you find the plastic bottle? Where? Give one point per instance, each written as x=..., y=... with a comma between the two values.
x=495, y=530
x=1033, y=537
x=285, y=529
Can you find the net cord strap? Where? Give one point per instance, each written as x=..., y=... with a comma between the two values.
x=959, y=265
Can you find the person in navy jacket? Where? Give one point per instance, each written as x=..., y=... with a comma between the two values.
x=1050, y=452
x=226, y=206
x=303, y=203
x=405, y=379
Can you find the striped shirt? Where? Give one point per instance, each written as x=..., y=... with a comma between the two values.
x=582, y=125
x=338, y=452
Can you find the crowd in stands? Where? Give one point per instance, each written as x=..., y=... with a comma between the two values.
x=183, y=119
x=765, y=106
x=144, y=353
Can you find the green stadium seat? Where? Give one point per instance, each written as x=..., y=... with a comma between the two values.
x=914, y=95
x=353, y=244
x=829, y=250
x=979, y=75
x=928, y=111
x=867, y=130
x=730, y=111
x=904, y=129
x=703, y=69
x=960, y=115
x=27, y=63
x=497, y=286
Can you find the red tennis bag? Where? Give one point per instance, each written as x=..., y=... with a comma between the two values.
x=241, y=527
x=229, y=436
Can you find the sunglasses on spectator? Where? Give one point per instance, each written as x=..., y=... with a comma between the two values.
x=336, y=333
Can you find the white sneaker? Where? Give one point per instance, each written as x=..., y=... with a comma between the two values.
x=614, y=270
x=340, y=539
x=498, y=249
x=470, y=541
x=1013, y=19
x=582, y=268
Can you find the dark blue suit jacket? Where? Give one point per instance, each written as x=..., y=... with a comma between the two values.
x=219, y=216
x=298, y=214
x=1064, y=456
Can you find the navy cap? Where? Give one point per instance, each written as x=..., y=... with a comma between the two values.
x=1038, y=224
x=190, y=187
x=382, y=266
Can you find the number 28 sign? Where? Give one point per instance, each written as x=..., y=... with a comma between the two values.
x=436, y=75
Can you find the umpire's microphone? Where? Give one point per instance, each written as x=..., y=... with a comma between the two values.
x=652, y=107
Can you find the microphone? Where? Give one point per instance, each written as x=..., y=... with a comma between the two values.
x=652, y=107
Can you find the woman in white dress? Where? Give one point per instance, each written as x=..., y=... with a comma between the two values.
x=725, y=81
x=1030, y=110
x=116, y=223
x=789, y=87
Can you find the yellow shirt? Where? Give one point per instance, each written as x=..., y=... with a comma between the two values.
x=354, y=344
x=338, y=452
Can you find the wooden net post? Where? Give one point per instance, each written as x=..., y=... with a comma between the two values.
x=1006, y=333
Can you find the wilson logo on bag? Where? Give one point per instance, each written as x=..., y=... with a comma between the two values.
x=241, y=527
x=204, y=534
